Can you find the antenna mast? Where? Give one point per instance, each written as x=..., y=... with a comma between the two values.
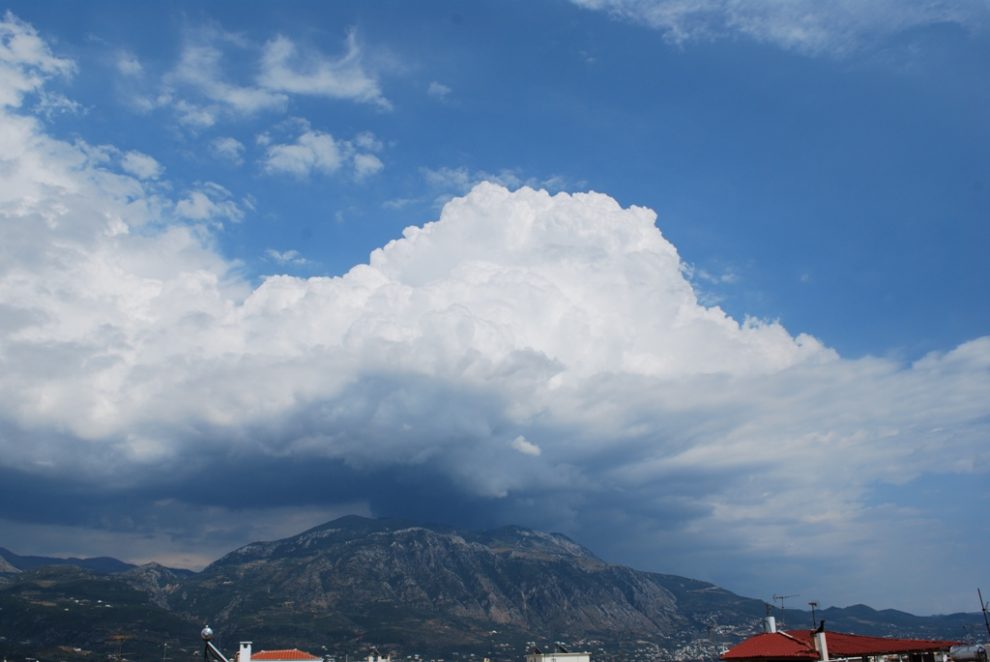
x=782, y=598
x=983, y=607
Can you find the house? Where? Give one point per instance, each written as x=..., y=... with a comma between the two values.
x=375, y=656
x=277, y=655
x=809, y=645
x=559, y=654
x=293, y=655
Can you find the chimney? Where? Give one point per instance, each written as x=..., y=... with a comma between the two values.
x=244, y=655
x=821, y=645
x=770, y=624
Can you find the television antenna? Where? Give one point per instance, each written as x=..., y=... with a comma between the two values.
x=210, y=652
x=814, y=605
x=983, y=607
x=782, y=598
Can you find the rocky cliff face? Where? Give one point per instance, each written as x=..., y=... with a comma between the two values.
x=156, y=581
x=386, y=578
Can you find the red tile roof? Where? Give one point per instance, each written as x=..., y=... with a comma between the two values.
x=284, y=654
x=771, y=646
x=841, y=644
x=799, y=645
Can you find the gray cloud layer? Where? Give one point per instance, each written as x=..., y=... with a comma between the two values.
x=530, y=358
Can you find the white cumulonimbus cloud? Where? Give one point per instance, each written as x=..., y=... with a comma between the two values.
x=129, y=347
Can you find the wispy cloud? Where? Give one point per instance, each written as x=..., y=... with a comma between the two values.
x=438, y=90
x=128, y=64
x=289, y=257
x=200, y=68
x=209, y=202
x=285, y=68
x=141, y=165
x=52, y=104
x=228, y=149
x=208, y=83
x=26, y=61
x=805, y=26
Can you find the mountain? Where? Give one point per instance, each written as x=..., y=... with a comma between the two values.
x=7, y=566
x=69, y=613
x=100, y=564
x=391, y=581
x=412, y=588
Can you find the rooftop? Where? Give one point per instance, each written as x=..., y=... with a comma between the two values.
x=284, y=654
x=799, y=645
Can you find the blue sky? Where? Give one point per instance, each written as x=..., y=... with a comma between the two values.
x=756, y=355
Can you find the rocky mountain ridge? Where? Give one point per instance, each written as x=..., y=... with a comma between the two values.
x=414, y=588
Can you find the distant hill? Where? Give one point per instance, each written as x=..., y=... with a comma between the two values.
x=104, y=565
x=6, y=566
x=101, y=564
x=68, y=613
x=408, y=587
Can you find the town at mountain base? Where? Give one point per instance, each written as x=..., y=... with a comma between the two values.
x=354, y=583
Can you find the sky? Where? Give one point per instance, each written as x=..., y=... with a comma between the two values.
x=702, y=284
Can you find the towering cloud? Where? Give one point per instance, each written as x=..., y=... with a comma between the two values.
x=531, y=357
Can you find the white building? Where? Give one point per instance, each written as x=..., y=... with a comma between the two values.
x=279, y=655
x=375, y=656
x=559, y=654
